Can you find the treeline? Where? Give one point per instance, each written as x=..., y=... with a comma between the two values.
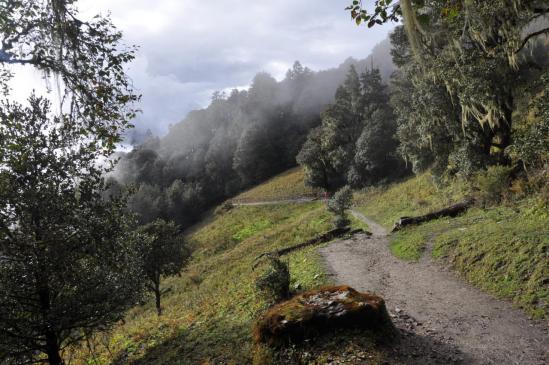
x=467, y=93
x=355, y=143
x=239, y=140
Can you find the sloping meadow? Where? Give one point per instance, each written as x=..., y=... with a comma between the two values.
x=209, y=310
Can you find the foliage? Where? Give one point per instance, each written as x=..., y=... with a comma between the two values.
x=339, y=204
x=461, y=70
x=85, y=58
x=492, y=184
x=354, y=143
x=274, y=280
x=69, y=264
x=531, y=140
x=163, y=253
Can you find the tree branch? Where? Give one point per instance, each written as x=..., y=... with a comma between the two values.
x=530, y=36
x=5, y=57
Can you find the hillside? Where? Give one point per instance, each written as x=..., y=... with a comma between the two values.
x=288, y=185
x=501, y=249
x=209, y=310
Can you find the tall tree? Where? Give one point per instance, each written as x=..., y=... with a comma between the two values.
x=67, y=256
x=472, y=48
x=355, y=143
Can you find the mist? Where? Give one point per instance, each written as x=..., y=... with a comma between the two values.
x=242, y=138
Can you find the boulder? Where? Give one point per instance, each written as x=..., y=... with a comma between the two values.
x=319, y=311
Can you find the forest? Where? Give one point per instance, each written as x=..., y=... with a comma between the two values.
x=462, y=103
x=88, y=233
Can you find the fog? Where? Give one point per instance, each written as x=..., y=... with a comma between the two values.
x=242, y=137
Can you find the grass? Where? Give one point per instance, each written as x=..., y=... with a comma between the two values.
x=288, y=185
x=409, y=245
x=414, y=196
x=209, y=311
x=503, y=250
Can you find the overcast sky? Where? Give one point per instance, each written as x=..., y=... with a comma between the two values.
x=190, y=48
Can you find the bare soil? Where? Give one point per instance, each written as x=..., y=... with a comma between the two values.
x=441, y=318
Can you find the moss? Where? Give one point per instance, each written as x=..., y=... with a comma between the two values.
x=321, y=310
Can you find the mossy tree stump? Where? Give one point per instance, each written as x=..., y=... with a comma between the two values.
x=319, y=311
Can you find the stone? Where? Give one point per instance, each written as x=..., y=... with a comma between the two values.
x=319, y=311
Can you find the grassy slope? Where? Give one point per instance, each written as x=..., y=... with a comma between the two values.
x=503, y=250
x=288, y=185
x=210, y=308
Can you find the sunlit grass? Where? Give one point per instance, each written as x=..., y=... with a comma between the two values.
x=412, y=197
x=503, y=250
x=209, y=310
x=289, y=185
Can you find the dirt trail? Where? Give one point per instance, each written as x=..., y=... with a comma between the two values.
x=275, y=202
x=443, y=319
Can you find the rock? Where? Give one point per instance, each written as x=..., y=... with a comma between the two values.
x=319, y=311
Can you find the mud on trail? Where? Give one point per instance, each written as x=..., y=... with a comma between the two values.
x=442, y=319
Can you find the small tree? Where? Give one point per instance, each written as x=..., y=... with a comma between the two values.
x=339, y=204
x=164, y=254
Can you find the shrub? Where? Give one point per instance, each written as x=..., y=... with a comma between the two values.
x=492, y=184
x=339, y=204
x=223, y=208
x=274, y=280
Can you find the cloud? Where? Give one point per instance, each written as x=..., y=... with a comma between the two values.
x=190, y=48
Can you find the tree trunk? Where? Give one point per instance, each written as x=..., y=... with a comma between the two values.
x=503, y=132
x=451, y=211
x=52, y=347
x=157, y=294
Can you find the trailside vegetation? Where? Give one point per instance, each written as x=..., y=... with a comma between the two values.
x=464, y=71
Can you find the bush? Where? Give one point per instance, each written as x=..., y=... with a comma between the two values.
x=224, y=208
x=339, y=204
x=274, y=280
x=492, y=184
